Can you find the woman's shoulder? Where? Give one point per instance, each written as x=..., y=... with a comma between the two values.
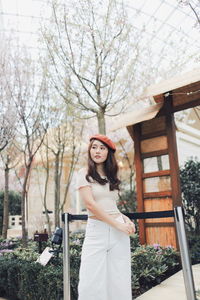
x=82, y=171
x=81, y=180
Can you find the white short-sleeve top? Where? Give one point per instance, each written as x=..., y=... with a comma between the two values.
x=102, y=195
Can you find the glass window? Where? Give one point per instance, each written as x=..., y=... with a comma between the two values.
x=165, y=162
x=156, y=163
x=157, y=184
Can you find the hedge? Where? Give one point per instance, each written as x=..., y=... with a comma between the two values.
x=24, y=279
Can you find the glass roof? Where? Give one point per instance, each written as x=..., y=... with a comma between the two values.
x=168, y=27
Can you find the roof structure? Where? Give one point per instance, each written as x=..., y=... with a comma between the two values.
x=173, y=84
x=136, y=116
x=185, y=90
x=163, y=25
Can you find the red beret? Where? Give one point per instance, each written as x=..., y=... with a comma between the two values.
x=105, y=140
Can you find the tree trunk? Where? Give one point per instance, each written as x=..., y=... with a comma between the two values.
x=101, y=122
x=57, y=191
x=6, y=203
x=45, y=200
x=23, y=205
x=24, y=232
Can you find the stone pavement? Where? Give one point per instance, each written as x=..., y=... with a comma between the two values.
x=172, y=288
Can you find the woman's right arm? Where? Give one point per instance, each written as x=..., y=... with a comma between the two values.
x=91, y=205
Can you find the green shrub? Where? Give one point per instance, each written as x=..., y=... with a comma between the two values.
x=27, y=280
x=4, y=266
x=127, y=201
x=28, y=285
x=194, y=247
x=52, y=278
x=150, y=264
x=14, y=205
x=22, y=278
x=13, y=278
x=76, y=241
x=190, y=186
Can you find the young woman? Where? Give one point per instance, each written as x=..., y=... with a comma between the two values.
x=105, y=271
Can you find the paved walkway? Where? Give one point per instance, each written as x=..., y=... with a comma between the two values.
x=172, y=288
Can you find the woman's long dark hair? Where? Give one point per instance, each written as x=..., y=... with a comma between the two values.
x=110, y=169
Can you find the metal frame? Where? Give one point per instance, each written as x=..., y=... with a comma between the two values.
x=180, y=226
x=185, y=258
x=66, y=259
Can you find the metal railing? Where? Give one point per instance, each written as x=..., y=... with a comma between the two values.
x=178, y=215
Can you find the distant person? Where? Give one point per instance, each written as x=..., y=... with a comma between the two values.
x=105, y=271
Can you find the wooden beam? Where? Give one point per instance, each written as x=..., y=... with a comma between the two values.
x=186, y=105
x=155, y=153
x=160, y=224
x=153, y=134
x=139, y=183
x=157, y=194
x=131, y=132
x=156, y=174
x=173, y=156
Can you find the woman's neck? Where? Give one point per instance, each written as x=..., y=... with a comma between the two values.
x=100, y=169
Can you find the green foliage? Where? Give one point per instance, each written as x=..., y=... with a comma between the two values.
x=76, y=241
x=190, y=185
x=194, y=247
x=198, y=294
x=14, y=205
x=14, y=202
x=127, y=201
x=22, y=278
x=8, y=244
x=151, y=264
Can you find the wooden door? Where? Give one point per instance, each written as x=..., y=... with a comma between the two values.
x=157, y=176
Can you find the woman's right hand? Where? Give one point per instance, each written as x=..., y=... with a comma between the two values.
x=127, y=228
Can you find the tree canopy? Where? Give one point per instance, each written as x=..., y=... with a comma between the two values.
x=190, y=185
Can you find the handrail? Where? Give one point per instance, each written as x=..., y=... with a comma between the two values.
x=178, y=215
x=133, y=216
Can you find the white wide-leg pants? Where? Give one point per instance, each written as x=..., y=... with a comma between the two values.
x=105, y=271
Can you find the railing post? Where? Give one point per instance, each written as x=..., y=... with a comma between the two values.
x=66, y=258
x=180, y=226
x=185, y=259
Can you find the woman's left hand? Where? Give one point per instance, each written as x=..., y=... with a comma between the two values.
x=127, y=220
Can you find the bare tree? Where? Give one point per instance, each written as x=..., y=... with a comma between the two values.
x=6, y=130
x=7, y=126
x=8, y=157
x=194, y=6
x=44, y=154
x=127, y=196
x=92, y=65
x=28, y=95
x=61, y=146
x=7, y=115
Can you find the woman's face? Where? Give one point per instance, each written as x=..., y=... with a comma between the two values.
x=98, y=152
